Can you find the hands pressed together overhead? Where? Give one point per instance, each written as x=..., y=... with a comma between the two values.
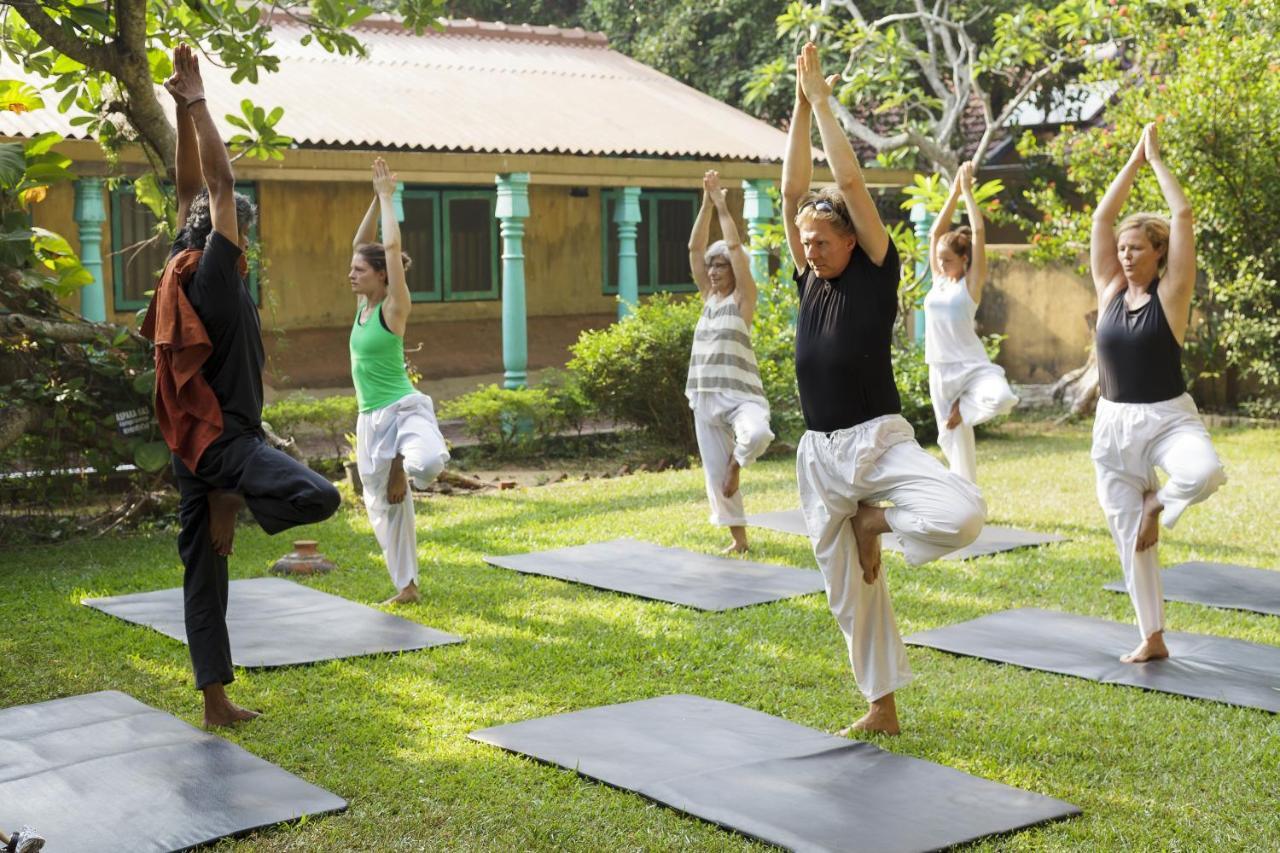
x=185, y=84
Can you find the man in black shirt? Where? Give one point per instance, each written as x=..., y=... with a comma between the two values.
x=858, y=450
x=239, y=468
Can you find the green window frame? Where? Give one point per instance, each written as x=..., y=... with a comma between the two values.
x=122, y=195
x=650, y=234
x=441, y=239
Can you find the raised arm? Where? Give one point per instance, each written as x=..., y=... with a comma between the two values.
x=942, y=224
x=215, y=164
x=368, y=230
x=797, y=171
x=977, y=275
x=1103, y=260
x=186, y=165
x=1180, y=274
x=395, y=308
x=844, y=163
x=698, y=242
x=744, y=292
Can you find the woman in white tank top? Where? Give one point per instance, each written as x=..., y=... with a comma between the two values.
x=730, y=412
x=966, y=388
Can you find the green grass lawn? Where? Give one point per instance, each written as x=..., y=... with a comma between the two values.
x=1150, y=771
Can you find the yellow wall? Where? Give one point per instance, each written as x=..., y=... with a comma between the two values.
x=1042, y=309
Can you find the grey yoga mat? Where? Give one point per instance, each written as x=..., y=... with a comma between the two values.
x=1203, y=667
x=667, y=574
x=992, y=540
x=1220, y=585
x=774, y=780
x=103, y=771
x=275, y=622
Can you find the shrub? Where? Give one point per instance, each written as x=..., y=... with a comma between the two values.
x=507, y=419
x=301, y=415
x=635, y=370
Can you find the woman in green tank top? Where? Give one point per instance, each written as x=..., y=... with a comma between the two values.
x=397, y=438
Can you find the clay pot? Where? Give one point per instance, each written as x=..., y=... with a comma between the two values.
x=304, y=559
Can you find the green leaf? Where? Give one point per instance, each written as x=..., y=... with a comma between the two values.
x=19, y=97
x=152, y=456
x=96, y=19
x=41, y=144
x=148, y=192
x=144, y=382
x=13, y=163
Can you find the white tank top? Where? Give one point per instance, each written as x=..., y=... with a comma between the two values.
x=949, y=332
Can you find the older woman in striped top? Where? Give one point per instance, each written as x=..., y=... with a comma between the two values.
x=730, y=413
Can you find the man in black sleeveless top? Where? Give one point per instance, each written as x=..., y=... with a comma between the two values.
x=858, y=449
x=239, y=468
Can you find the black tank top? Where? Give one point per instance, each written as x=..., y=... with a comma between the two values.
x=1139, y=359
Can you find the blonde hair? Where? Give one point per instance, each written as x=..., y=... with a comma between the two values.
x=826, y=205
x=960, y=242
x=1154, y=227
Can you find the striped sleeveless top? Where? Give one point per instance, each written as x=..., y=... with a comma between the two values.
x=722, y=360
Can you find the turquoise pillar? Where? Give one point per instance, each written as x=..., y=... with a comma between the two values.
x=757, y=209
x=627, y=218
x=512, y=211
x=90, y=214
x=397, y=202
x=922, y=220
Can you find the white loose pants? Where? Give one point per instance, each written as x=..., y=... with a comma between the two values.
x=1129, y=441
x=728, y=426
x=406, y=428
x=934, y=512
x=983, y=393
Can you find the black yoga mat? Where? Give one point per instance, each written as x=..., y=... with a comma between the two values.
x=992, y=540
x=667, y=574
x=774, y=780
x=103, y=771
x=1216, y=668
x=275, y=622
x=1220, y=585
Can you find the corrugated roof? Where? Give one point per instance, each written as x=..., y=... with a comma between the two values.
x=474, y=87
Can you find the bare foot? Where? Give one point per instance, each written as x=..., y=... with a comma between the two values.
x=881, y=718
x=954, y=420
x=223, y=509
x=730, y=486
x=221, y=711
x=397, y=483
x=868, y=523
x=408, y=595
x=1149, y=530
x=739, y=545
x=1152, y=648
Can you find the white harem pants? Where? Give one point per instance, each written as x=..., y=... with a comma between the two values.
x=1129, y=441
x=728, y=426
x=405, y=428
x=934, y=512
x=983, y=393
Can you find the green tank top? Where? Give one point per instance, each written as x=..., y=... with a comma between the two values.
x=377, y=363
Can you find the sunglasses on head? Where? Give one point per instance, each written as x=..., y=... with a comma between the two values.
x=823, y=206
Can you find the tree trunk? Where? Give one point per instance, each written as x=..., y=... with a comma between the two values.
x=1079, y=390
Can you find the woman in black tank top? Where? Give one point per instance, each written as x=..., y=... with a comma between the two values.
x=1144, y=273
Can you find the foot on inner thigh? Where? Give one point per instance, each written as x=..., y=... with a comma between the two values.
x=1149, y=530
x=881, y=717
x=1152, y=648
x=729, y=487
x=954, y=420
x=223, y=509
x=397, y=483
x=868, y=523
x=739, y=545
x=408, y=595
x=221, y=711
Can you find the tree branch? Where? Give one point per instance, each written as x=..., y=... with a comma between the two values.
x=97, y=57
x=63, y=333
x=856, y=128
x=15, y=421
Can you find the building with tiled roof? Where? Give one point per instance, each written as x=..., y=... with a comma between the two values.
x=482, y=123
